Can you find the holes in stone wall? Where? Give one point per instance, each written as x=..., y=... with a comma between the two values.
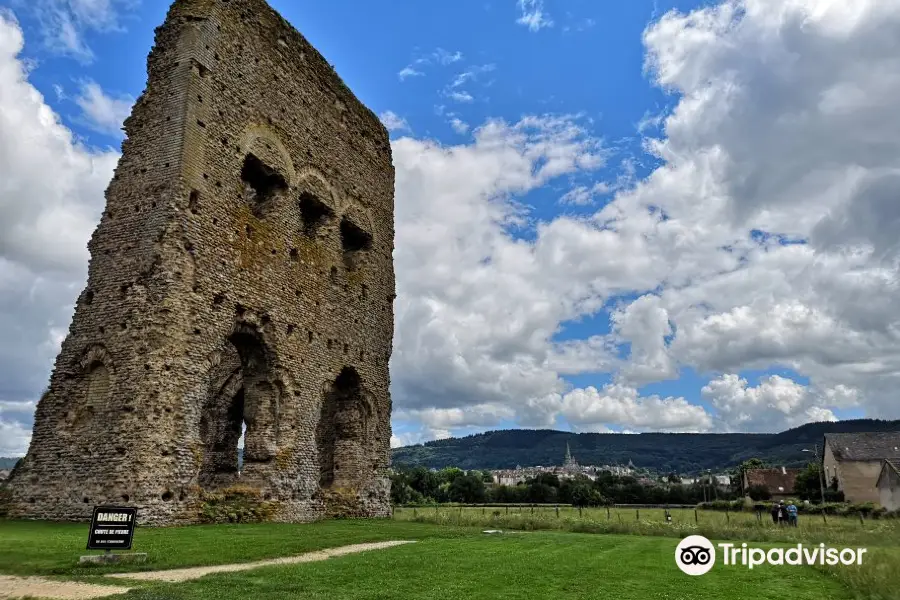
x=309, y=335
x=167, y=496
x=218, y=299
x=314, y=213
x=262, y=184
x=290, y=329
x=333, y=274
x=89, y=297
x=295, y=256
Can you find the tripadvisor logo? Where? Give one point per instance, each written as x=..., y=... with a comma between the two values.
x=696, y=555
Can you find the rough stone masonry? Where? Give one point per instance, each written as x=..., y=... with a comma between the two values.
x=241, y=277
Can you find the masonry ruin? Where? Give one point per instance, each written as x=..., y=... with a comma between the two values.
x=241, y=278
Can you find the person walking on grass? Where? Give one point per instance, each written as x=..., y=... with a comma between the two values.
x=792, y=514
x=775, y=513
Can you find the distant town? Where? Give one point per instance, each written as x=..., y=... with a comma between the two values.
x=571, y=469
x=855, y=468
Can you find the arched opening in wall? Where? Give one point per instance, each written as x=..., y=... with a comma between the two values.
x=343, y=431
x=239, y=422
x=262, y=184
x=314, y=213
x=220, y=433
x=355, y=242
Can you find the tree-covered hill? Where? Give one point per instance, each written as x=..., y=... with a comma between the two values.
x=663, y=452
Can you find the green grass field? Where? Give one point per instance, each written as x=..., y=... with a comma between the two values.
x=721, y=525
x=448, y=562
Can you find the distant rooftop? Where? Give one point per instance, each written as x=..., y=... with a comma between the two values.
x=865, y=446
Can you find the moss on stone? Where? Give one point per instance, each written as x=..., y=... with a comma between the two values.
x=236, y=504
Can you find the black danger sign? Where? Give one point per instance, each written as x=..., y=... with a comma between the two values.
x=112, y=528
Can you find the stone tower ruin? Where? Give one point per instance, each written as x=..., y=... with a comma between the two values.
x=241, y=276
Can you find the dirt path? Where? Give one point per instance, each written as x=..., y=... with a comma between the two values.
x=176, y=575
x=38, y=587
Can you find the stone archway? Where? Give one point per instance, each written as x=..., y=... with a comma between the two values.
x=344, y=432
x=242, y=400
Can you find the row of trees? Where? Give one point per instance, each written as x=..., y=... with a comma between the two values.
x=422, y=486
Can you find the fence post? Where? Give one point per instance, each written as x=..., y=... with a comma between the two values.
x=532, y=509
x=608, y=516
x=861, y=522
x=696, y=516
x=460, y=511
x=414, y=512
x=727, y=516
x=637, y=514
x=579, y=511
x=482, y=509
x=824, y=519
x=507, y=509
x=758, y=517
x=557, y=511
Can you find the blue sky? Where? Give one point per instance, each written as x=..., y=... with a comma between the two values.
x=651, y=281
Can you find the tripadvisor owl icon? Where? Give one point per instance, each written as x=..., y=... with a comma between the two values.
x=695, y=555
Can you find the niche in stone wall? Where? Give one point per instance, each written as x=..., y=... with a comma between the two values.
x=314, y=213
x=262, y=184
x=355, y=242
x=96, y=387
x=93, y=392
x=344, y=431
x=241, y=401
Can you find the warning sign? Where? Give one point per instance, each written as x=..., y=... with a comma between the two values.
x=112, y=528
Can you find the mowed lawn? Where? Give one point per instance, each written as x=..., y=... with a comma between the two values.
x=445, y=563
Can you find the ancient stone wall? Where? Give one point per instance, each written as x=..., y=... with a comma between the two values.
x=241, y=276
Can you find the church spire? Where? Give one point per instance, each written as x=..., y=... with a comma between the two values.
x=569, y=463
